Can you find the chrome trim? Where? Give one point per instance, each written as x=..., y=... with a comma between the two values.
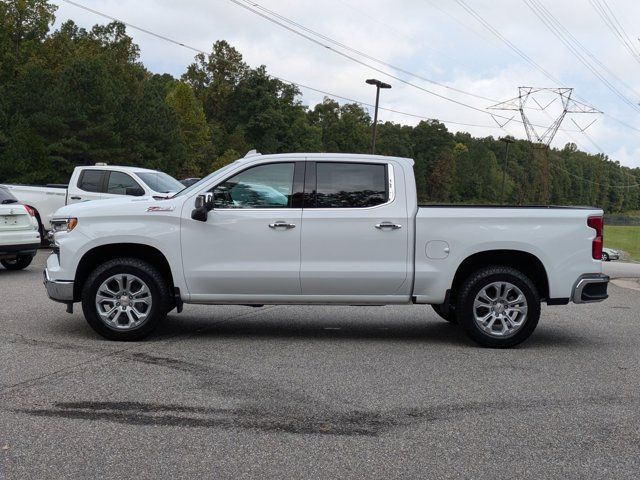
x=585, y=280
x=58, y=290
x=391, y=225
x=282, y=225
x=390, y=200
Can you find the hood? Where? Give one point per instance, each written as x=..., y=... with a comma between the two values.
x=113, y=207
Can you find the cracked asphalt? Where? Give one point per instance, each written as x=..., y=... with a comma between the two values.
x=317, y=392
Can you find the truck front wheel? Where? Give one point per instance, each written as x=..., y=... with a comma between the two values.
x=125, y=299
x=498, y=307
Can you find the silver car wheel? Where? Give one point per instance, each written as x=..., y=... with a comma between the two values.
x=500, y=309
x=123, y=301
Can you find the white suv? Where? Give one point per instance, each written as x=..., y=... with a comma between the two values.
x=19, y=235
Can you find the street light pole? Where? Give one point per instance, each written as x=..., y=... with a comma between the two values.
x=379, y=85
x=506, y=141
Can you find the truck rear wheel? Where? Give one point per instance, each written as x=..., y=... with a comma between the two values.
x=125, y=299
x=498, y=307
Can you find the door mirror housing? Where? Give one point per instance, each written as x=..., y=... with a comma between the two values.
x=203, y=204
x=134, y=191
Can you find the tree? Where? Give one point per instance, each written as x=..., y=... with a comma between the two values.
x=194, y=131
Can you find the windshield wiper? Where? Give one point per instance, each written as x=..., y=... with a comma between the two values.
x=7, y=201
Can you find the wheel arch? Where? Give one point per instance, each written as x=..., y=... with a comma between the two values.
x=525, y=262
x=103, y=253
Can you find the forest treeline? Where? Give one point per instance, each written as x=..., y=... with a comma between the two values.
x=73, y=96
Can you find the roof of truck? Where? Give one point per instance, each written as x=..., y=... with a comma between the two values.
x=360, y=157
x=117, y=167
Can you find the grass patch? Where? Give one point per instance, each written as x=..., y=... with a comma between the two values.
x=623, y=238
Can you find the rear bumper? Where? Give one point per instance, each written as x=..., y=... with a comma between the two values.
x=58, y=290
x=21, y=249
x=590, y=288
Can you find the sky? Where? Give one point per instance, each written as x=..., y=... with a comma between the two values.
x=478, y=53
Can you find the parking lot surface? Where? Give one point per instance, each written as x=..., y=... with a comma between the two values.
x=316, y=392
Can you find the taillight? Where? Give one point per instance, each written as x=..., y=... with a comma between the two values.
x=31, y=211
x=597, y=223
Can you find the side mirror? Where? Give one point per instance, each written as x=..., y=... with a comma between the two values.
x=204, y=203
x=134, y=191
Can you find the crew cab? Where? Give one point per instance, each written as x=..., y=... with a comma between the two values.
x=322, y=229
x=97, y=182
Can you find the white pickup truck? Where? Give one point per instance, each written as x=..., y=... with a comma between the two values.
x=322, y=229
x=93, y=183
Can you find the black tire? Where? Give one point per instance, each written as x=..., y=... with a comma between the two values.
x=483, y=278
x=450, y=316
x=605, y=257
x=159, y=293
x=18, y=263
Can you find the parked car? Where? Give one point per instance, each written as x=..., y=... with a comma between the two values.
x=19, y=236
x=609, y=254
x=350, y=232
x=187, y=182
x=97, y=182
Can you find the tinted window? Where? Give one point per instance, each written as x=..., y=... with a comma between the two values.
x=160, y=182
x=350, y=185
x=91, y=180
x=119, y=182
x=264, y=186
x=6, y=196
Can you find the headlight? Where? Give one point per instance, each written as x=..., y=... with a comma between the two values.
x=63, y=224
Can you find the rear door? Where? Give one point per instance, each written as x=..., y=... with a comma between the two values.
x=355, y=231
x=88, y=187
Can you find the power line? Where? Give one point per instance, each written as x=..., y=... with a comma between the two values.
x=360, y=62
x=324, y=92
x=612, y=22
x=573, y=45
x=197, y=50
x=528, y=59
x=250, y=5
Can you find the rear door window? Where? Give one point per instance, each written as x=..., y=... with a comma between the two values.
x=350, y=185
x=91, y=180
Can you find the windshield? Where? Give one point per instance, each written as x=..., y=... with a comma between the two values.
x=205, y=179
x=160, y=182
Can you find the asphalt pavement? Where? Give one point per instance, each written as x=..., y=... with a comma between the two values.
x=317, y=392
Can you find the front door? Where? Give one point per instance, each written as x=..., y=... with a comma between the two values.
x=355, y=240
x=249, y=247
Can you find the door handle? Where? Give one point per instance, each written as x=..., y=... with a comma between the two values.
x=76, y=198
x=282, y=225
x=390, y=225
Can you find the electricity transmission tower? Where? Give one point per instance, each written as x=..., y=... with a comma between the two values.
x=527, y=96
x=537, y=184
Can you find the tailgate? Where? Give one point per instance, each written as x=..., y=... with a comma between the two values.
x=14, y=217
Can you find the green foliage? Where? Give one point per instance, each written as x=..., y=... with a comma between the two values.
x=75, y=97
x=623, y=238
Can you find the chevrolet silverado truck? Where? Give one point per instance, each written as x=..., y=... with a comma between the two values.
x=97, y=182
x=322, y=229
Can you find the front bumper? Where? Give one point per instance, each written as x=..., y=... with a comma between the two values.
x=58, y=290
x=591, y=288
